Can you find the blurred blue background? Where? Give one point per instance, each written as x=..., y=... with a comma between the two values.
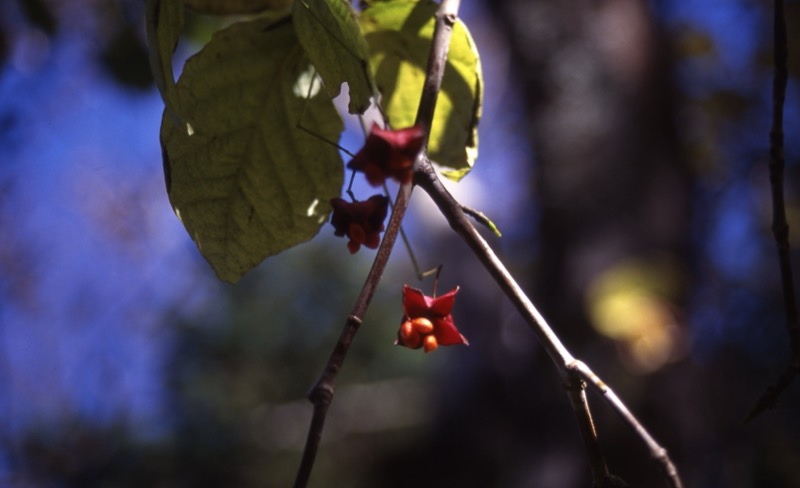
x=124, y=362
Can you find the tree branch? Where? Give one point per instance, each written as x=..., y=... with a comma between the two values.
x=780, y=228
x=572, y=376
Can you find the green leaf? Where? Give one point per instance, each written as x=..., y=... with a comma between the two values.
x=164, y=23
x=330, y=35
x=248, y=183
x=399, y=35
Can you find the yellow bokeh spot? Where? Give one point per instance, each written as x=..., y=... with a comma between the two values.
x=629, y=303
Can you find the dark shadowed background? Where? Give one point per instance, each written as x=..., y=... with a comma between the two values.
x=623, y=153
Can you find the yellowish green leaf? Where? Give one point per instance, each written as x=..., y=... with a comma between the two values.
x=330, y=35
x=399, y=35
x=246, y=182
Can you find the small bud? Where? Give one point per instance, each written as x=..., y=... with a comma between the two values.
x=361, y=222
x=422, y=325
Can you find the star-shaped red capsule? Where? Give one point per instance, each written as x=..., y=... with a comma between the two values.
x=361, y=222
x=427, y=322
x=388, y=154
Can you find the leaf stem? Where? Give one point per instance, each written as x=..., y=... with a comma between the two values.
x=406, y=242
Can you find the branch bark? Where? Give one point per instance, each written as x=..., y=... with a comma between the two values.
x=780, y=228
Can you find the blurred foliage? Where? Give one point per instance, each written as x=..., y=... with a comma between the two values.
x=39, y=13
x=125, y=58
x=236, y=379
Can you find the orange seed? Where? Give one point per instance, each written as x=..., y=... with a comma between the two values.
x=422, y=325
x=430, y=343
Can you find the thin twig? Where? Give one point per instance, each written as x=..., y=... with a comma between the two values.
x=406, y=243
x=445, y=17
x=425, y=177
x=780, y=228
x=321, y=395
x=580, y=405
x=656, y=451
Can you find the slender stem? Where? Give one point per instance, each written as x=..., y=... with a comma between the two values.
x=780, y=227
x=580, y=405
x=406, y=243
x=445, y=20
x=321, y=394
x=658, y=452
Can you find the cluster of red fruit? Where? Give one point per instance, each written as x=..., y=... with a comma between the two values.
x=386, y=154
x=427, y=321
